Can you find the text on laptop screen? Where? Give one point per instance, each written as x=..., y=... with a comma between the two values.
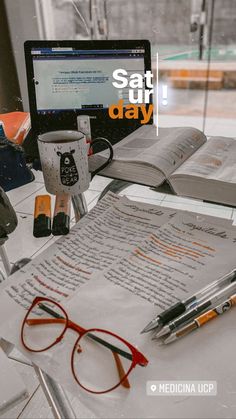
x=71, y=79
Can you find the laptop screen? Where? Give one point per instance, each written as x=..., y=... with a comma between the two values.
x=70, y=78
x=74, y=79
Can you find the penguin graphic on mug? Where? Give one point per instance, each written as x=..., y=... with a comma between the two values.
x=68, y=170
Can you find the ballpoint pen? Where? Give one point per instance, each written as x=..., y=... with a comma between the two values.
x=202, y=319
x=200, y=308
x=179, y=308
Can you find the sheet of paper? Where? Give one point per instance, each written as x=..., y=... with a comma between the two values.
x=204, y=355
x=94, y=244
x=106, y=235
x=172, y=263
x=207, y=354
x=200, y=356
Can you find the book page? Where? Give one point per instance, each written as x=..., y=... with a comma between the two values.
x=166, y=152
x=215, y=160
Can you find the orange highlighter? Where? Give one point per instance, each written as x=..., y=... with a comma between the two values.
x=42, y=216
x=61, y=216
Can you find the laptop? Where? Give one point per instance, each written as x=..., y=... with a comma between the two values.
x=70, y=78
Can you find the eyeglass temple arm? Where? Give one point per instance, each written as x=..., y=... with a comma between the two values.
x=37, y=322
x=124, y=382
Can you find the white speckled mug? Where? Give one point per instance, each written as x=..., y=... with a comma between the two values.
x=64, y=161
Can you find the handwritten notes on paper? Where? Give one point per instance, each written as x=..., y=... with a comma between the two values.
x=149, y=250
x=107, y=234
x=181, y=257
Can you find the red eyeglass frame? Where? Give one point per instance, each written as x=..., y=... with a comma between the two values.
x=137, y=357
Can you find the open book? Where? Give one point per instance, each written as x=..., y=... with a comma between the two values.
x=192, y=165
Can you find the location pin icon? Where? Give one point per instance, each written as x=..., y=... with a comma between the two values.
x=153, y=387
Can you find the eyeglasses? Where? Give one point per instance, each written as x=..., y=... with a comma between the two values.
x=100, y=360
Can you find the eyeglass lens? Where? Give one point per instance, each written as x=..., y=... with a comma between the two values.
x=97, y=367
x=41, y=329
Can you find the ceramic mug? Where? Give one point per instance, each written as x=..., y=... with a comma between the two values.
x=64, y=160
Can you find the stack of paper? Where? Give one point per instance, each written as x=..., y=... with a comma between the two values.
x=118, y=267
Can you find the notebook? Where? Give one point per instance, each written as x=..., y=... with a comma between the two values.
x=71, y=78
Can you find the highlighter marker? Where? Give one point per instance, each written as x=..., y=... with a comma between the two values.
x=61, y=217
x=42, y=216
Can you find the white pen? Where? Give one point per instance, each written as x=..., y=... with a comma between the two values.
x=202, y=319
x=182, y=306
x=199, y=308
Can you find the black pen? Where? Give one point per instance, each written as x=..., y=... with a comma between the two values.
x=198, y=309
x=179, y=308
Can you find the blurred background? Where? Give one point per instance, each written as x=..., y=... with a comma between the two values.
x=195, y=40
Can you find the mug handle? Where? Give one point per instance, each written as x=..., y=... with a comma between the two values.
x=108, y=144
